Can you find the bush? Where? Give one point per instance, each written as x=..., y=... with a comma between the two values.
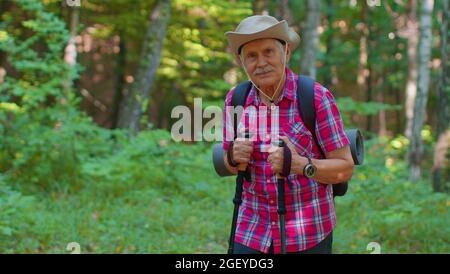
x=15, y=209
x=383, y=206
x=48, y=156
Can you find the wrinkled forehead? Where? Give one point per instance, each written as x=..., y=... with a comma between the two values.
x=258, y=44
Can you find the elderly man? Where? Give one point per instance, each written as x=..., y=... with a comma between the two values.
x=262, y=46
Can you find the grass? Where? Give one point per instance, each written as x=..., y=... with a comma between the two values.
x=171, y=201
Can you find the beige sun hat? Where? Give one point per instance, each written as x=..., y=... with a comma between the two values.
x=261, y=26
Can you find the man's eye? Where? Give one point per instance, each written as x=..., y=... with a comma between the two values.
x=251, y=56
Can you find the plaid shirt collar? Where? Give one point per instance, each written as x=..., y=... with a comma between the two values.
x=289, y=91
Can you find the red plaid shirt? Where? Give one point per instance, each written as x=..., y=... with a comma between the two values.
x=310, y=215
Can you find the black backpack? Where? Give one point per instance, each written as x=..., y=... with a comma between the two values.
x=307, y=111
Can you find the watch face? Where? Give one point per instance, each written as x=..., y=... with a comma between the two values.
x=310, y=171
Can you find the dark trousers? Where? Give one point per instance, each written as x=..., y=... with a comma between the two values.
x=324, y=247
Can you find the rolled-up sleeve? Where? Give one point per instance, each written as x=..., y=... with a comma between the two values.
x=329, y=125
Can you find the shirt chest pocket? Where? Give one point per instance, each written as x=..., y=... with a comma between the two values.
x=299, y=135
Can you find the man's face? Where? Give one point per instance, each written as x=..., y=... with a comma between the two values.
x=263, y=59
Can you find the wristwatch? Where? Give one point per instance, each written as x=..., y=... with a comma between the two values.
x=309, y=170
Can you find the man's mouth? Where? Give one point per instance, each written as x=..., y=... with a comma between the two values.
x=263, y=73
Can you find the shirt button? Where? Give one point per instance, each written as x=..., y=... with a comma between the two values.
x=268, y=181
x=271, y=201
x=273, y=223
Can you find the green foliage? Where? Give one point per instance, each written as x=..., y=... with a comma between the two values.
x=48, y=157
x=38, y=136
x=383, y=206
x=195, y=57
x=349, y=107
x=347, y=104
x=150, y=195
x=64, y=179
x=42, y=73
x=15, y=210
x=147, y=188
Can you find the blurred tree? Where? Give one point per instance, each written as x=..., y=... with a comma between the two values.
x=412, y=34
x=310, y=38
x=365, y=72
x=283, y=12
x=423, y=81
x=70, y=55
x=328, y=43
x=361, y=52
x=120, y=80
x=109, y=45
x=195, y=59
x=136, y=100
x=440, y=169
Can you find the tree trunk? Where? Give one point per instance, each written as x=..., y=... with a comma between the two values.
x=365, y=71
x=412, y=31
x=363, y=52
x=134, y=102
x=310, y=38
x=398, y=113
x=70, y=53
x=369, y=97
x=397, y=97
x=416, y=147
x=382, y=129
x=443, y=126
x=329, y=45
x=120, y=80
x=283, y=12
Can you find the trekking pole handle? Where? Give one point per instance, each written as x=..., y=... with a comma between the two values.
x=242, y=167
x=280, y=143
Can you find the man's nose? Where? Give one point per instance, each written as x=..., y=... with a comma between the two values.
x=261, y=62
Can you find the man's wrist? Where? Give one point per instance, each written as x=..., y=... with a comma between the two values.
x=298, y=164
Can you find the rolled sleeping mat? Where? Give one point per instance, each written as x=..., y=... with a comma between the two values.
x=356, y=147
x=219, y=164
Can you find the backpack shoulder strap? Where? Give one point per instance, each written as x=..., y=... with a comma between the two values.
x=306, y=106
x=238, y=98
x=240, y=94
x=307, y=111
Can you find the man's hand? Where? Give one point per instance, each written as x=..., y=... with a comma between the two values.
x=242, y=151
x=276, y=155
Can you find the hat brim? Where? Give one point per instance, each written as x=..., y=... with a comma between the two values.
x=279, y=31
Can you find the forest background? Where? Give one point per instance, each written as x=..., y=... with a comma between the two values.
x=86, y=93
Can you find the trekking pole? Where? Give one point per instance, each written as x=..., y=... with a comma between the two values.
x=281, y=202
x=237, y=201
